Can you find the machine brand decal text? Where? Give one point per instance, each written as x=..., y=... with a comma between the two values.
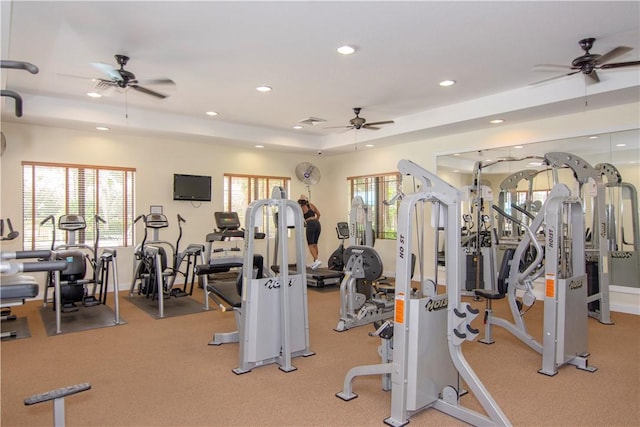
x=438, y=304
x=575, y=284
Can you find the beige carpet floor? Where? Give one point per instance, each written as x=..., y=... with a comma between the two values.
x=152, y=372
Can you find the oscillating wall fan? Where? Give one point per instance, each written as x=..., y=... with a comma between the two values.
x=308, y=174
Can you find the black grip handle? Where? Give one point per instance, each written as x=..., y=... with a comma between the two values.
x=33, y=254
x=506, y=215
x=50, y=217
x=31, y=267
x=523, y=211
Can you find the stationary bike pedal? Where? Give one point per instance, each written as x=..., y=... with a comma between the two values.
x=178, y=293
x=69, y=308
x=91, y=302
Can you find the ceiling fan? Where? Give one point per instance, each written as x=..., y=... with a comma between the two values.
x=588, y=63
x=361, y=123
x=120, y=78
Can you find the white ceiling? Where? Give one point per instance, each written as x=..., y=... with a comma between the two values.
x=218, y=52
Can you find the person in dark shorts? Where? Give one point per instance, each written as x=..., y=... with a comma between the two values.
x=312, y=219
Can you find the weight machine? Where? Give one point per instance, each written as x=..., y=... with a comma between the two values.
x=621, y=210
x=597, y=250
x=423, y=366
x=562, y=261
x=361, y=302
x=272, y=318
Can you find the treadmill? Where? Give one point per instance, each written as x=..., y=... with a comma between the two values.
x=321, y=277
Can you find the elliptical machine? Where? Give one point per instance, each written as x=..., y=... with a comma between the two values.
x=74, y=280
x=336, y=260
x=152, y=275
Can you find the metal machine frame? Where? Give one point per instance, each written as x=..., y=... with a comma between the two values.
x=427, y=360
x=273, y=323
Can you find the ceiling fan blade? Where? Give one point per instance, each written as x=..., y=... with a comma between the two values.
x=371, y=127
x=148, y=91
x=619, y=64
x=108, y=70
x=553, y=78
x=386, y=122
x=338, y=127
x=592, y=77
x=614, y=53
x=550, y=67
x=158, y=81
x=73, y=76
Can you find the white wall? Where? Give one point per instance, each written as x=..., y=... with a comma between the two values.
x=157, y=159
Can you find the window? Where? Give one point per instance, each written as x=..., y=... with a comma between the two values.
x=60, y=189
x=374, y=190
x=240, y=190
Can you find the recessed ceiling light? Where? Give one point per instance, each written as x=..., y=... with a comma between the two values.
x=297, y=127
x=456, y=170
x=456, y=154
x=369, y=145
x=518, y=146
x=103, y=128
x=534, y=164
x=94, y=95
x=621, y=145
x=211, y=113
x=259, y=146
x=446, y=83
x=496, y=121
x=593, y=137
x=346, y=50
x=263, y=89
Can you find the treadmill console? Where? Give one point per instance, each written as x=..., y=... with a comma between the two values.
x=343, y=230
x=227, y=220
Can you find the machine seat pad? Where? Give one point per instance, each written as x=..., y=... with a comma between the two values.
x=19, y=291
x=227, y=291
x=488, y=294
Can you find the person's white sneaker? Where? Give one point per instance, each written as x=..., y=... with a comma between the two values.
x=317, y=263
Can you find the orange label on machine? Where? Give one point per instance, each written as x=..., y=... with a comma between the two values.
x=399, y=308
x=550, y=288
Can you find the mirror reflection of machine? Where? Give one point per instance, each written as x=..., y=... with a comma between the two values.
x=622, y=227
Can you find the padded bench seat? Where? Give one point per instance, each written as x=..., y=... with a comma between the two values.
x=18, y=291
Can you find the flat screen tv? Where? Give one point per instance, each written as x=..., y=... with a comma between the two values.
x=195, y=188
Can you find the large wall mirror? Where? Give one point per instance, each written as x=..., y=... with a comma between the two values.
x=620, y=149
